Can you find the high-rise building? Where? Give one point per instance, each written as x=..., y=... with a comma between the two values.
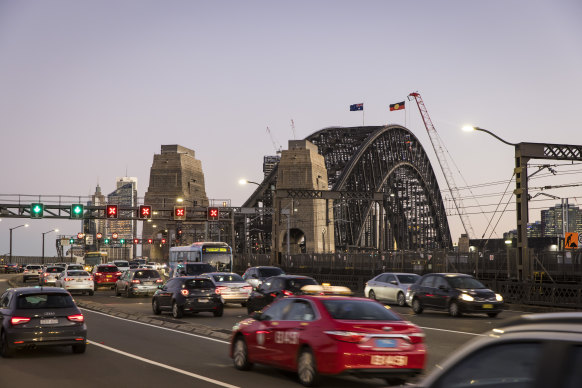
x=125, y=195
x=93, y=226
x=560, y=219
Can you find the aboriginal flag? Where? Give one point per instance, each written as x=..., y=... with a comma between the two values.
x=397, y=106
x=355, y=107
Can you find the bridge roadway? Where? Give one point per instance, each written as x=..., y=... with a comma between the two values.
x=130, y=345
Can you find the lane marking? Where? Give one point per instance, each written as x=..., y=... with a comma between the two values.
x=190, y=374
x=157, y=327
x=453, y=331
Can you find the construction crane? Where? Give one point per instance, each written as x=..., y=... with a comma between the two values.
x=277, y=149
x=438, y=149
x=293, y=129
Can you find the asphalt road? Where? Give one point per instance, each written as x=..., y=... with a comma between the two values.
x=138, y=353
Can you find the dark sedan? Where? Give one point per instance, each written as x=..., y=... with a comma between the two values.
x=188, y=294
x=33, y=316
x=456, y=293
x=277, y=287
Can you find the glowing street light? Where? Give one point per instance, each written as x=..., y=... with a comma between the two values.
x=246, y=181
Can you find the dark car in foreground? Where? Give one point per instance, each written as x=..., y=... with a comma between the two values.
x=277, y=287
x=535, y=350
x=330, y=335
x=188, y=294
x=456, y=293
x=40, y=316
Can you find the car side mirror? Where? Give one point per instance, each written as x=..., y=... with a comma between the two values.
x=394, y=282
x=257, y=315
x=254, y=276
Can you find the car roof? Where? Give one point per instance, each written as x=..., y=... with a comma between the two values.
x=542, y=322
x=265, y=266
x=38, y=289
x=199, y=277
x=287, y=276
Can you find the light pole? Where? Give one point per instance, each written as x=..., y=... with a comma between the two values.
x=245, y=181
x=52, y=230
x=11, y=229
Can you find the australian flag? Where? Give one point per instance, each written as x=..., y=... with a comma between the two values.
x=355, y=107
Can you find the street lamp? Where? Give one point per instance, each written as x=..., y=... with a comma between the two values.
x=469, y=128
x=11, y=229
x=246, y=181
x=53, y=230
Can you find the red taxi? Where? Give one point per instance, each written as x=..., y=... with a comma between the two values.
x=105, y=275
x=330, y=335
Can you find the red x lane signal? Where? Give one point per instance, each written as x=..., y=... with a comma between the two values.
x=212, y=214
x=179, y=213
x=111, y=211
x=145, y=212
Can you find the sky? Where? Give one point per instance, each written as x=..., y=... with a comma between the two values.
x=90, y=90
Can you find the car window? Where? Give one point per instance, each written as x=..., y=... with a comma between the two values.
x=381, y=278
x=407, y=279
x=33, y=266
x=497, y=365
x=359, y=310
x=389, y=278
x=438, y=281
x=301, y=310
x=295, y=285
x=5, y=300
x=277, y=284
x=39, y=301
x=198, y=284
x=107, y=269
x=277, y=310
x=427, y=281
x=465, y=282
x=573, y=375
x=266, y=272
x=146, y=273
x=197, y=269
x=77, y=273
x=54, y=269
x=227, y=278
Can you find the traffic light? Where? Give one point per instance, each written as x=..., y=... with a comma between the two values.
x=80, y=236
x=212, y=214
x=71, y=241
x=163, y=241
x=76, y=211
x=178, y=233
x=114, y=235
x=145, y=212
x=36, y=210
x=150, y=241
x=99, y=236
x=136, y=241
x=179, y=213
x=106, y=241
x=122, y=241
x=111, y=211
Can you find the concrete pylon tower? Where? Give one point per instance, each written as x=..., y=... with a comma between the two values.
x=302, y=225
x=175, y=173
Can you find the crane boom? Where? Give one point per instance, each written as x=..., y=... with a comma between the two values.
x=438, y=149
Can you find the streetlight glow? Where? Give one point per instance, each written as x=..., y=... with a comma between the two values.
x=468, y=128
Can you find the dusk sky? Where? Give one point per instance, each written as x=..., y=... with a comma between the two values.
x=90, y=90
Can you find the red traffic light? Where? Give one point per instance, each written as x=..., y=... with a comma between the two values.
x=114, y=235
x=80, y=236
x=136, y=241
x=212, y=214
x=163, y=241
x=150, y=241
x=145, y=212
x=99, y=236
x=111, y=211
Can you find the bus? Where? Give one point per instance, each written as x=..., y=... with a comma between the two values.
x=91, y=259
x=217, y=254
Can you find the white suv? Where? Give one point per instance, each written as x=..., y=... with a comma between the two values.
x=31, y=271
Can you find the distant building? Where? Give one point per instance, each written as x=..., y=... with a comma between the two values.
x=93, y=226
x=124, y=195
x=560, y=219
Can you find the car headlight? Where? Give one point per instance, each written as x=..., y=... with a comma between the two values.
x=499, y=297
x=467, y=297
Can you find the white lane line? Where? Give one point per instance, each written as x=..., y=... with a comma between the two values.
x=158, y=327
x=190, y=374
x=453, y=331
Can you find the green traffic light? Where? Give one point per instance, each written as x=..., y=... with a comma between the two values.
x=71, y=241
x=122, y=241
x=76, y=210
x=36, y=210
x=106, y=241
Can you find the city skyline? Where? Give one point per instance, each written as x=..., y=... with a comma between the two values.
x=90, y=91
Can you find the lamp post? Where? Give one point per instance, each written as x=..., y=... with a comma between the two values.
x=246, y=181
x=52, y=230
x=11, y=229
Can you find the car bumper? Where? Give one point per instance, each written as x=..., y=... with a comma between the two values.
x=195, y=305
x=143, y=290
x=80, y=286
x=481, y=307
x=235, y=298
x=22, y=338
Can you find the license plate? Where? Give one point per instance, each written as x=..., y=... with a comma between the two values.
x=108, y=276
x=203, y=300
x=389, y=360
x=49, y=321
x=148, y=283
x=79, y=280
x=487, y=306
x=385, y=343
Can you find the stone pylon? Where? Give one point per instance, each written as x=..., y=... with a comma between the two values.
x=302, y=225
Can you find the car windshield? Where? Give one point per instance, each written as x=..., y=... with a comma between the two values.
x=110, y=268
x=359, y=310
x=77, y=273
x=194, y=284
x=41, y=301
x=268, y=272
x=121, y=263
x=465, y=282
x=146, y=273
x=407, y=279
x=228, y=278
x=197, y=269
x=296, y=284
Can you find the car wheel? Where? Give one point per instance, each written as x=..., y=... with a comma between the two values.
x=117, y=293
x=401, y=299
x=372, y=295
x=240, y=355
x=5, y=350
x=80, y=348
x=219, y=311
x=243, y=304
x=306, y=369
x=177, y=311
x=416, y=306
x=492, y=315
x=156, y=307
x=91, y=292
x=454, y=310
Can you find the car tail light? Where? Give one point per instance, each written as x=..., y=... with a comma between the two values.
x=68, y=279
x=19, y=320
x=46, y=274
x=287, y=293
x=416, y=338
x=346, y=336
x=98, y=274
x=25, y=270
x=159, y=281
x=185, y=292
x=76, y=318
x=135, y=281
x=118, y=273
x=220, y=289
x=91, y=278
x=247, y=287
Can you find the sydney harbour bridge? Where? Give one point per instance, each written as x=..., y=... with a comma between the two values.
x=378, y=159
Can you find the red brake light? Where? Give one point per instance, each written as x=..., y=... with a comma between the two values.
x=91, y=278
x=98, y=274
x=220, y=289
x=19, y=320
x=46, y=274
x=135, y=281
x=159, y=281
x=346, y=336
x=287, y=293
x=416, y=338
x=247, y=287
x=68, y=279
x=118, y=273
x=184, y=292
x=76, y=318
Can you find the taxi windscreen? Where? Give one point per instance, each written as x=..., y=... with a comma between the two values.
x=358, y=310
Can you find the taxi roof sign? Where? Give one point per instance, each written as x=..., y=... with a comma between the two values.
x=326, y=289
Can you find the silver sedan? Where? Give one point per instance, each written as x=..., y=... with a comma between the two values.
x=231, y=287
x=390, y=287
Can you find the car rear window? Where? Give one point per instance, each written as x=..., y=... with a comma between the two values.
x=33, y=266
x=197, y=269
x=359, y=310
x=197, y=284
x=296, y=284
x=407, y=279
x=41, y=301
x=77, y=273
x=268, y=272
x=228, y=278
x=146, y=273
x=54, y=269
x=121, y=263
x=72, y=267
x=110, y=268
